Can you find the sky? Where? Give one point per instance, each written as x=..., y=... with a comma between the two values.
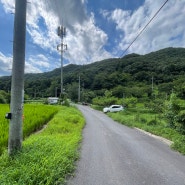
x=95, y=30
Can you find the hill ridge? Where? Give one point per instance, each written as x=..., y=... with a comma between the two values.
x=165, y=66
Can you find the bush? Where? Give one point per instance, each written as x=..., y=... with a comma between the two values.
x=105, y=101
x=66, y=103
x=130, y=102
x=171, y=111
x=2, y=99
x=152, y=122
x=143, y=120
x=179, y=144
x=156, y=105
x=180, y=125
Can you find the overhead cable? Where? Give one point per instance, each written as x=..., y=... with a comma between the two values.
x=143, y=28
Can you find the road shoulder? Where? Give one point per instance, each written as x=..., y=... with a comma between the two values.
x=164, y=140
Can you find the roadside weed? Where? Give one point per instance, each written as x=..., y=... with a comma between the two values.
x=47, y=158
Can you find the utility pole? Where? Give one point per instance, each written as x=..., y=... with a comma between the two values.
x=56, y=91
x=152, y=84
x=61, y=31
x=17, y=83
x=79, y=89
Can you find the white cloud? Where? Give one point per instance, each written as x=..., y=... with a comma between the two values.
x=6, y=64
x=41, y=25
x=34, y=64
x=86, y=42
x=39, y=61
x=166, y=30
x=69, y=12
x=31, y=69
x=9, y=5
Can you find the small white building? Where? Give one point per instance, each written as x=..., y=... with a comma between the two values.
x=53, y=100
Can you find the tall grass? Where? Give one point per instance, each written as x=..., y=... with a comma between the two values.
x=47, y=158
x=4, y=126
x=34, y=117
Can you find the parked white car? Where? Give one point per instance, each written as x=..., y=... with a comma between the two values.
x=113, y=108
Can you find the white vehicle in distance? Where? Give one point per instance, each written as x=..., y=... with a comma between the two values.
x=113, y=108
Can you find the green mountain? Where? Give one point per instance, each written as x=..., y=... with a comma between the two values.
x=133, y=75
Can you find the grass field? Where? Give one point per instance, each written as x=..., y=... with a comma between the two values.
x=35, y=116
x=47, y=158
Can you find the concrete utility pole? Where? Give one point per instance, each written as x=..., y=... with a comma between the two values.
x=56, y=91
x=17, y=83
x=79, y=89
x=61, y=47
x=152, y=84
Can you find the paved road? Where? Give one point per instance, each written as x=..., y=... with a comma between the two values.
x=113, y=154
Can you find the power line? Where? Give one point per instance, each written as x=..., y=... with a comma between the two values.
x=143, y=29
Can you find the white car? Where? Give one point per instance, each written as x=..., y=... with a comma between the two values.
x=113, y=108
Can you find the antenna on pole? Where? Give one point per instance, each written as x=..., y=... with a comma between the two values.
x=61, y=32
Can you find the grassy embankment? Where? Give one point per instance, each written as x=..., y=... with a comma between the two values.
x=48, y=157
x=151, y=122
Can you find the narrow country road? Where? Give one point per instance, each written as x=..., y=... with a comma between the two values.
x=113, y=154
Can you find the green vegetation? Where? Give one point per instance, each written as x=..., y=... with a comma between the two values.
x=4, y=97
x=146, y=80
x=168, y=124
x=130, y=76
x=47, y=157
x=106, y=100
x=4, y=126
x=35, y=116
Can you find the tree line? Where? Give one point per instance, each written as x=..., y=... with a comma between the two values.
x=134, y=75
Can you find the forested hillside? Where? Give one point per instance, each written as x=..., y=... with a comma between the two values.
x=133, y=75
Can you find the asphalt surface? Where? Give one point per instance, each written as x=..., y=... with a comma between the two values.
x=113, y=154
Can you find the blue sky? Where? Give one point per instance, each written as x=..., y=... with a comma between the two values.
x=96, y=30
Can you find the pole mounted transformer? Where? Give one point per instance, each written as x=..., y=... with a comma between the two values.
x=61, y=32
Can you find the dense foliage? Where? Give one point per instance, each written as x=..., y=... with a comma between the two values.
x=130, y=76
